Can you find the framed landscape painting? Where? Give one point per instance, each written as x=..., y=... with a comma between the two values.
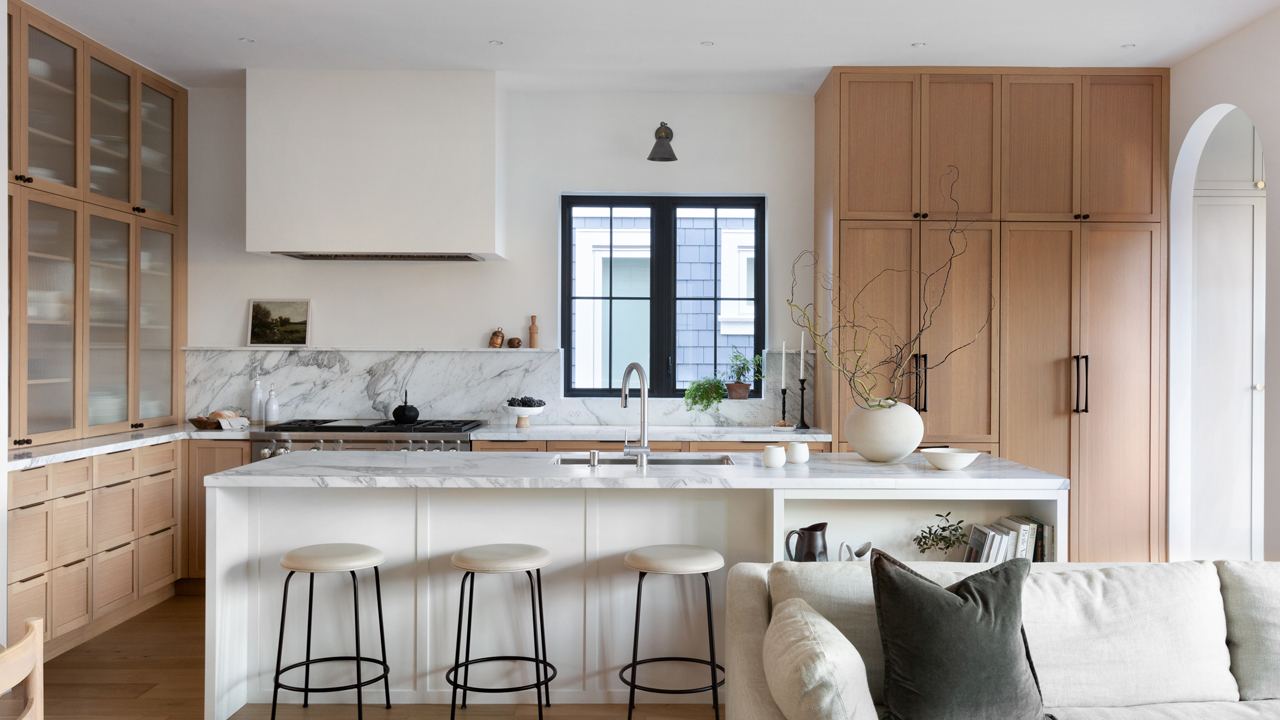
x=280, y=323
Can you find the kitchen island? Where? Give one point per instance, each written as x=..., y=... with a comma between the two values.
x=420, y=508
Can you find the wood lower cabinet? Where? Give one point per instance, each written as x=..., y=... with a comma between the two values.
x=587, y=446
x=27, y=487
x=72, y=527
x=115, y=578
x=205, y=457
x=113, y=467
x=29, y=541
x=154, y=459
x=729, y=446
x=72, y=477
x=115, y=515
x=158, y=559
x=71, y=596
x=508, y=446
x=27, y=599
x=157, y=502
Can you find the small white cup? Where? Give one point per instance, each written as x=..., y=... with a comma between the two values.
x=774, y=456
x=798, y=453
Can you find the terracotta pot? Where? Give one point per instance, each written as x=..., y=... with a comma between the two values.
x=884, y=434
x=738, y=391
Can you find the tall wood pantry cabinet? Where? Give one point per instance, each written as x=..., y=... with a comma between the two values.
x=1053, y=183
x=97, y=207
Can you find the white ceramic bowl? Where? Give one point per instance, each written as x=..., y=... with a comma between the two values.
x=949, y=458
x=522, y=414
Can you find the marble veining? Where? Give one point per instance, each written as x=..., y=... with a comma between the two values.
x=334, y=383
x=542, y=471
x=88, y=447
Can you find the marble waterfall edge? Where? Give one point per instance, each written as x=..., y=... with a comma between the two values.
x=347, y=383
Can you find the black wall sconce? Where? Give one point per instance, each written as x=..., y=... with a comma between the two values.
x=662, y=151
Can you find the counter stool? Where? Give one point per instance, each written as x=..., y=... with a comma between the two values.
x=489, y=560
x=673, y=560
x=332, y=558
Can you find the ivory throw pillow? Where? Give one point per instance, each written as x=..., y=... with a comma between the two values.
x=813, y=672
x=1251, y=594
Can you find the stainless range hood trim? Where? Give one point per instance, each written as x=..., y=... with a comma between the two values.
x=383, y=257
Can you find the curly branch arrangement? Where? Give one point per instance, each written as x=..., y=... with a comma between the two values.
x=880, y=363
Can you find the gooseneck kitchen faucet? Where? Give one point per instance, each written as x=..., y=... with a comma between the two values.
x=641, y=451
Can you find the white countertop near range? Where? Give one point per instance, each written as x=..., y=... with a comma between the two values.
x=657, y=433
x=542, y=471
x=103, y=444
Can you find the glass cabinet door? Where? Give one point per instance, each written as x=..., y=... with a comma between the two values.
x=155, y=362
x=49, y=277
x=110, y=137
x=107, y=361
x=158, y=145
x=52, y=113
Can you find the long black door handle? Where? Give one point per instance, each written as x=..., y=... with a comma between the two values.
x=1076, y=358
x=924, y=406
x=1086, y=384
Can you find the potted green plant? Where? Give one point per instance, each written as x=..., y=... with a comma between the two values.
x=744, y=371
x=704, y=394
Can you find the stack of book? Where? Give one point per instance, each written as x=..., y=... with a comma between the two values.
x=1019, y=536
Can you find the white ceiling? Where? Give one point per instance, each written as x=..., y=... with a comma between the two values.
x=762, y=46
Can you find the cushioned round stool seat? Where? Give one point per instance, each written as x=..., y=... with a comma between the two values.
x=332, y=557
x=501, y=558
x=674, y=559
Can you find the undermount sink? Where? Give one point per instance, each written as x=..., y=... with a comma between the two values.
x=720, y=460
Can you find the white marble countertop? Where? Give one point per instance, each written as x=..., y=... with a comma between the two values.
x=88, y=447
x=657, y=433
x=356, y=469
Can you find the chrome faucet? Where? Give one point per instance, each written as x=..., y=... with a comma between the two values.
x=641, y=451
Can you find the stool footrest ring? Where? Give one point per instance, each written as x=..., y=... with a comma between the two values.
x=451, y=675
x=622, y=675
x=386, y=670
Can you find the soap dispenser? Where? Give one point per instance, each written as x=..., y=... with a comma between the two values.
x=255, y=402
x=273, y=406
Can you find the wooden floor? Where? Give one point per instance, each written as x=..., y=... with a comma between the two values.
x=152, y=668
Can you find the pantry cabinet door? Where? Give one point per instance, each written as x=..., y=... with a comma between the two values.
x=960, y=292
x=1040, y=150
x=1122, y=175
x=161, y=323
x=879, y=146
x=960, y=147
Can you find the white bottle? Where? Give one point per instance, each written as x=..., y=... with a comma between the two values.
x=273, y=406
x=255, y=402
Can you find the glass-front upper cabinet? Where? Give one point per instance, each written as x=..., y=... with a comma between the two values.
x=160, y=133
x=45, y=112
x=110, y=323
x=45, y=317
x=110, y=114
x=157, y=260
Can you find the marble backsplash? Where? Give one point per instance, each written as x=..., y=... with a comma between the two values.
x=357, y=383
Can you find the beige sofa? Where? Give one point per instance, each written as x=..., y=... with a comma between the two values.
x=1110, y=641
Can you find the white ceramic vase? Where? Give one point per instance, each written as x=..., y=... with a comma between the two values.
x=883, y=434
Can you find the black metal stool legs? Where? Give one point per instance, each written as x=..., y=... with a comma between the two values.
x=635, y=648
x=711, y=640
x=542, y=622
x=471, y=613
x=457, y=648
x=275, y=692
x=355, y=596
x=382, y=634
x=537, y=665
x=311, y=596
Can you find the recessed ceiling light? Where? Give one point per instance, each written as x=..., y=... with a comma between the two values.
x=246, y=40
x=707, y=43
x=495, y=42
x=917, y=44
x=1128, y=46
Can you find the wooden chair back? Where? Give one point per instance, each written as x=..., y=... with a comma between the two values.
x=23, y=662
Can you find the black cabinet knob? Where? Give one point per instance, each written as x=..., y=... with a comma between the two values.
x=1077, y=216
x=916, y=215
x=925, y=215
x=1086, y=217
x=28, y=179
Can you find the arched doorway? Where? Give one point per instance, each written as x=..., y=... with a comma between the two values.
x=1216, y=341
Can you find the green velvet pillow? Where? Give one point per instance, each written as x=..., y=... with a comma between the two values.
x=956, y=652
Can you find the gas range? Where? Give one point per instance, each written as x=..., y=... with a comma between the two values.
x=377, y=435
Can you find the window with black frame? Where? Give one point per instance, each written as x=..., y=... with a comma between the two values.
x=670, y=282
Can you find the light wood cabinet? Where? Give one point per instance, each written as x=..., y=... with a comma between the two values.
x=154, y=459
x=71, y=523
x=879, y=146
x=157, y=502
x=29, y=538
x=1122, y=165
x=508, y=446
x=585, y=446
x=157, y=559
x=115, y=578
x=27, y=599
x=1040, y=153
x=960, y=128
x=71, y=596
x=731, y=446
x=115, y=515
x=111, y=468
x=75, y=476
x=98, y=256
x=27, y=487
x=205, y=457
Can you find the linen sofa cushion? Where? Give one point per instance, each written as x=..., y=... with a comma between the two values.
x=813, y=672
x=1251, y=597
x=1120, y=635
x=1263, y=710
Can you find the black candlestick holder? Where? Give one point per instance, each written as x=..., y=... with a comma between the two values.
x=784, y=405
x=802, y=425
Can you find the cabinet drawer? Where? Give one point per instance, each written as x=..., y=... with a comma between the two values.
x=29, y=537
x=158, y=502
x=71, y=596
x=157, y=458
x=72, y=477
x=115, y=515
x=115, y=578
x=508, y=446
x=113, y=467
x=29, y=599
x=72, y=527
x=158, y=559
x=586, y=446
x=30, y=486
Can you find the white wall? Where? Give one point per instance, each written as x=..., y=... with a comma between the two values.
x=556, y=143
x=1242, y=69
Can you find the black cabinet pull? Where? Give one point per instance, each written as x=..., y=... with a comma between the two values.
x=916, y=215
x=1086, y=216
x=925, y=215
x=1076, y=358
x=1086, y=384
x=1077, y=216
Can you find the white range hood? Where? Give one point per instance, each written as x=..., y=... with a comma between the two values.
x=365, y=165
